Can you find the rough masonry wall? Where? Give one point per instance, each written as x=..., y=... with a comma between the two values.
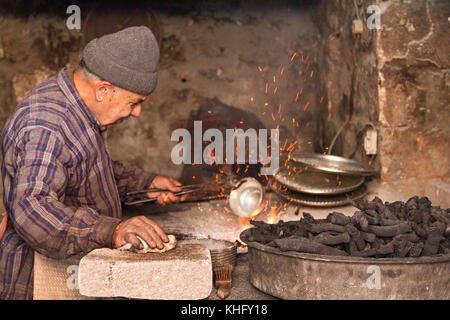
x=352, y=99
x=414, y=90
x=401, y=88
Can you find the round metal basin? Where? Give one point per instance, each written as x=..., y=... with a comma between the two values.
x=294, y=275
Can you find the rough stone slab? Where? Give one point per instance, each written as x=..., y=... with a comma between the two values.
x=439, y=193
x=179, y=274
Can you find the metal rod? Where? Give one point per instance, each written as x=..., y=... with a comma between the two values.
x=153, y=199
x=193, y=186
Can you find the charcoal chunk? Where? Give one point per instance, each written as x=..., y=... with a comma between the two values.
x=301, y=244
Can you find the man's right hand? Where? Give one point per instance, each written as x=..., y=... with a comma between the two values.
x=127, y=230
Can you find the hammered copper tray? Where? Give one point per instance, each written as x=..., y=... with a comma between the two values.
x=319, y=200
x=333, y=164
x=299, y=178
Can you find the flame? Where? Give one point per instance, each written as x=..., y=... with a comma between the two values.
x=272, y=214
x=244, y=222
x=240, y=243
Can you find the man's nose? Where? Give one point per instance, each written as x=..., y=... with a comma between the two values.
x=136, y=112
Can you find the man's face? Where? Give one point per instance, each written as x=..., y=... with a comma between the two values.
x=118, y=105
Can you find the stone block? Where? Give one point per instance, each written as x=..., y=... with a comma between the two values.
x=439, y=193
x=184, y=273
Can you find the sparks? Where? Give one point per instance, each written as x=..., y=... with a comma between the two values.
x=284, y=146
x=291, y=146
x=293, y=56
x=306, y=106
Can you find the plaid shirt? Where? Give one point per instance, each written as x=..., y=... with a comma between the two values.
x=62, y=192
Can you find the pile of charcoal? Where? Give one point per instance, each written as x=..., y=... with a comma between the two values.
x=382, y=230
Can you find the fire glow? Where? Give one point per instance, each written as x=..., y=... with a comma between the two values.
x=271, y=210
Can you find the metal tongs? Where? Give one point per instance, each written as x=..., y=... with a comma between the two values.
x=246, y=195
x=186, y=190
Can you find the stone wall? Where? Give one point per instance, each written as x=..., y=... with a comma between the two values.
x=32, y=49
x=401, y=88
x=414, y=93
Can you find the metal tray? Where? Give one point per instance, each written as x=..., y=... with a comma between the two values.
x=319, y=200
x=333, y=164
x=299, y=178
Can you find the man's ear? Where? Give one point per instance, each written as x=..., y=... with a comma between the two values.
x=101, y=90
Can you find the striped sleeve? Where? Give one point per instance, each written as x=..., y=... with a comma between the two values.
x=38, y=213
x=129, y=178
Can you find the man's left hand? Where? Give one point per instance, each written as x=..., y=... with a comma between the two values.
x=166, y=183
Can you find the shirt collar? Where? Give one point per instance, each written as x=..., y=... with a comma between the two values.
x=71, y=93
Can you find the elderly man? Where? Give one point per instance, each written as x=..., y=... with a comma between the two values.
x=62, y=192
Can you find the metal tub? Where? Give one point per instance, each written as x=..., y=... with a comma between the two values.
x=294, y=275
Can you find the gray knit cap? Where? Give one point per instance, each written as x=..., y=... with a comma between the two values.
x=127, y=58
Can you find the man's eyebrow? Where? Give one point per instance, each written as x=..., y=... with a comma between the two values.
x=138, y=101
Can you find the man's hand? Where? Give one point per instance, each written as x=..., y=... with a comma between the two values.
x=127, y=230
x=166, y=183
